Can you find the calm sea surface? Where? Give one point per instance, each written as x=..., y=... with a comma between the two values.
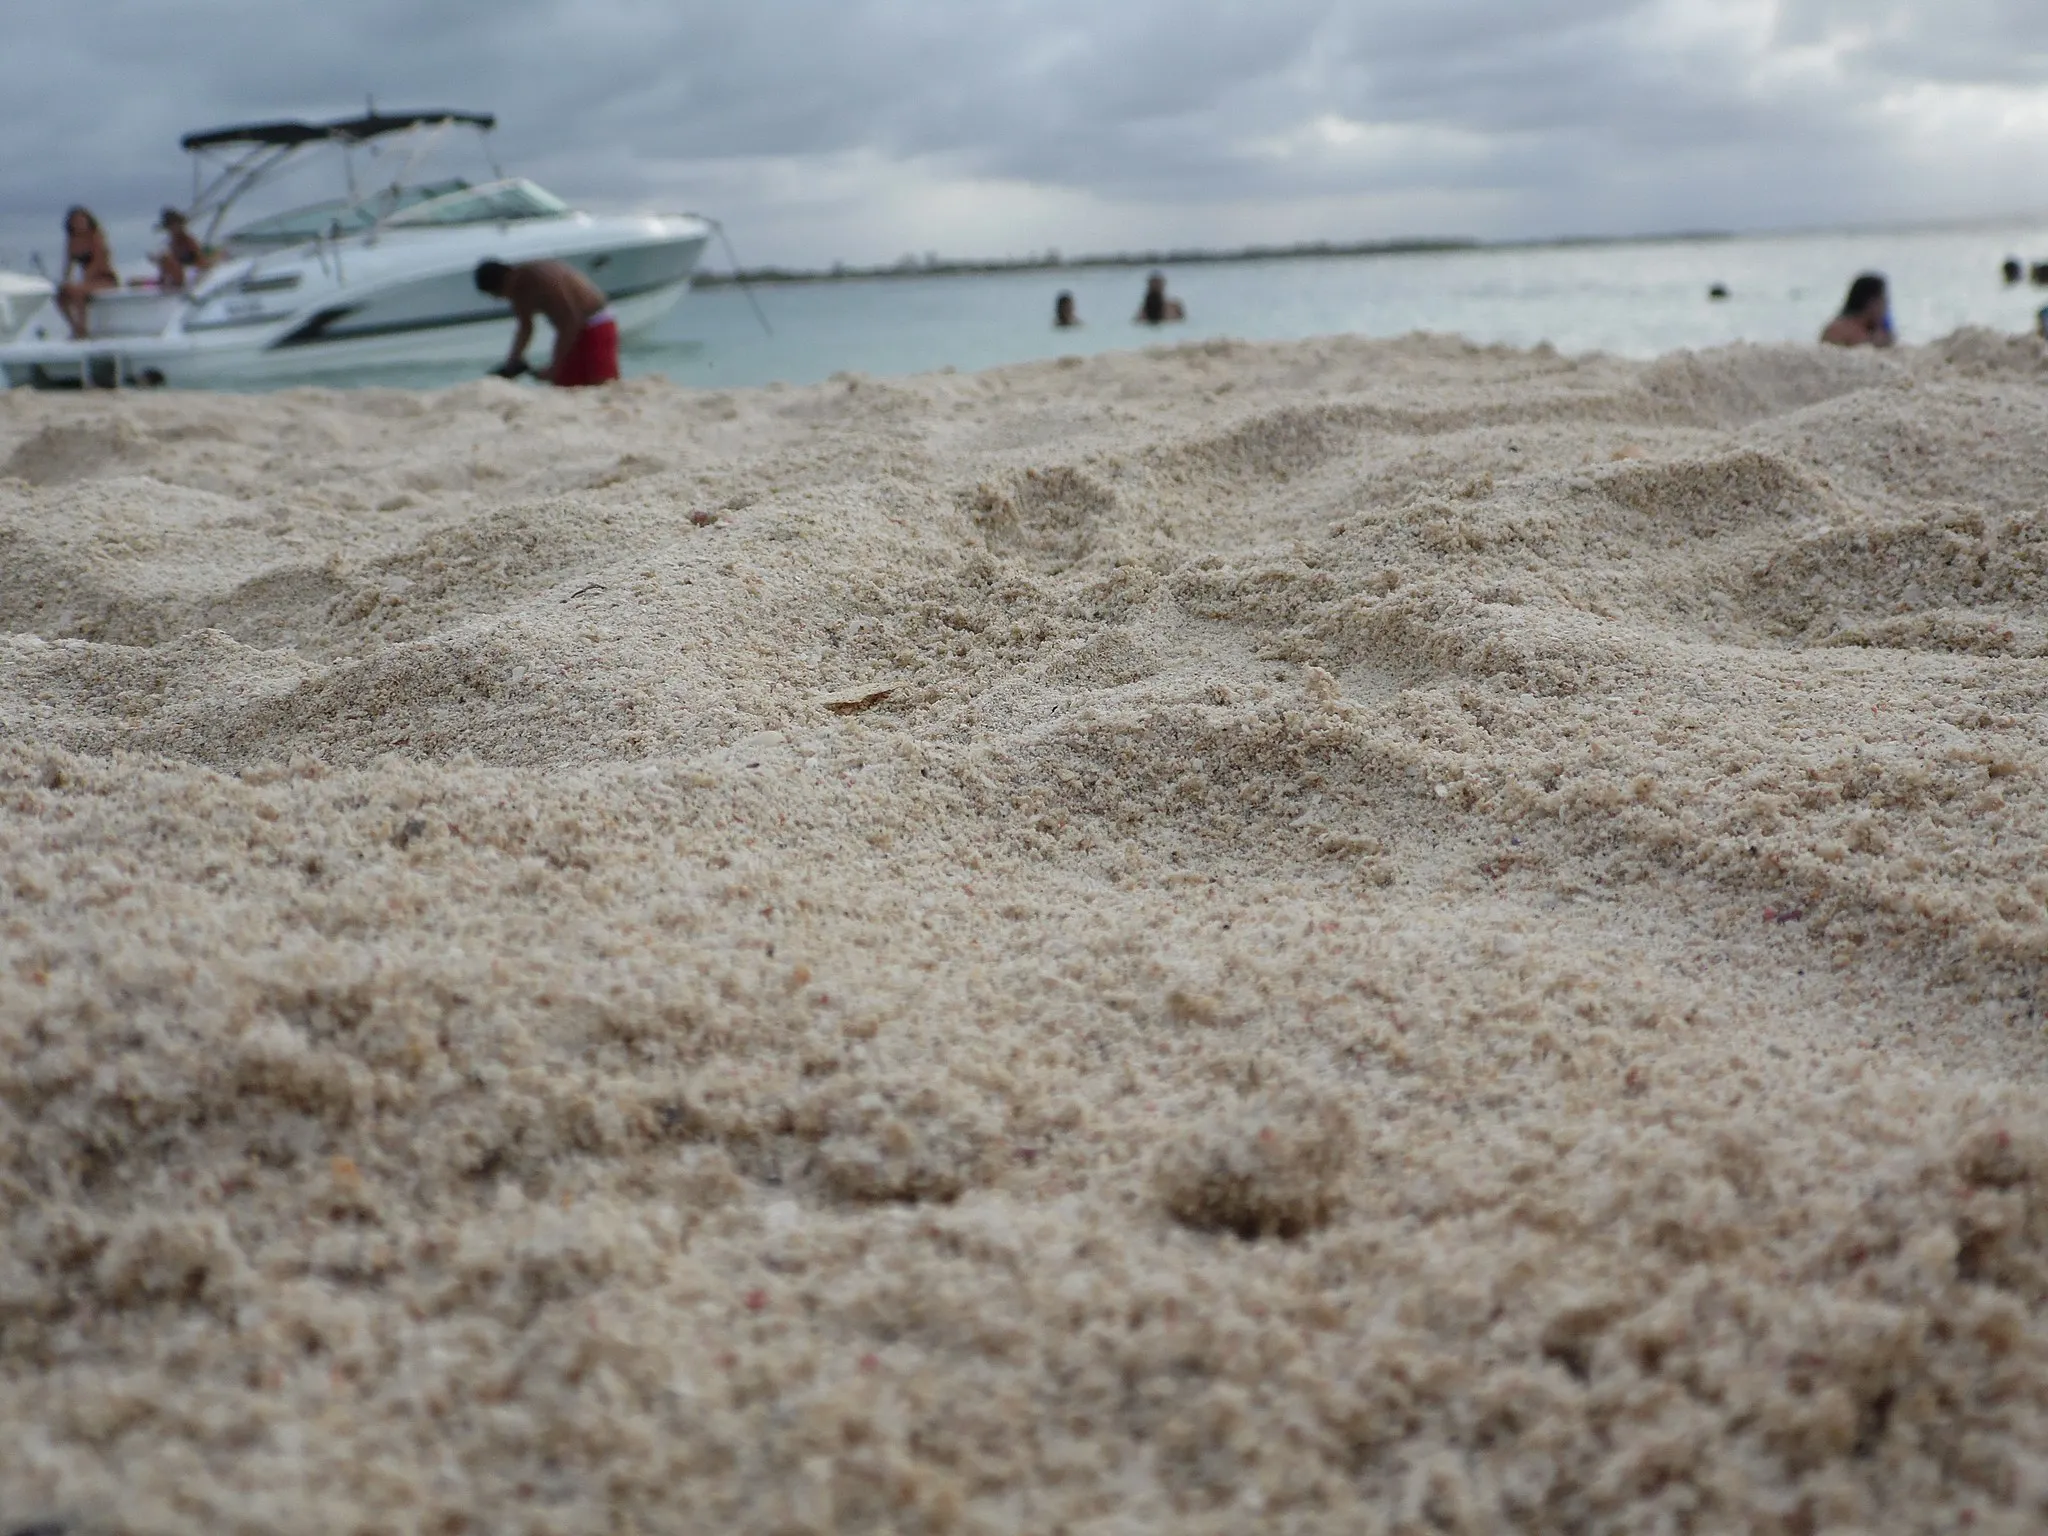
x=1635, y=300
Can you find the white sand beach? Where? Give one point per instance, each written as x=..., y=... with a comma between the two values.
x=1333, y=937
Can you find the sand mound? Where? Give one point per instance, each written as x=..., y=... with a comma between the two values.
x=1340, y=937
x=64, y=451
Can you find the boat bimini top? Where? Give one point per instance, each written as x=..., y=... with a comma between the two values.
x=227, y=163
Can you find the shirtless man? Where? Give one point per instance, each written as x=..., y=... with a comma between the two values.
x=85, y=247
x=586, y=333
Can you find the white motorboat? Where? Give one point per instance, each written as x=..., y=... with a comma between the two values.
x=371, y=279
x=22, y=296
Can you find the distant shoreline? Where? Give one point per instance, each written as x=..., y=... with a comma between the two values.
x=928, y=266
x=1053, y=262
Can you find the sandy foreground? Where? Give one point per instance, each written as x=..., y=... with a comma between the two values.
x=1337, y=937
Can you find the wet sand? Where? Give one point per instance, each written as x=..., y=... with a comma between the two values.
x=1332, y=937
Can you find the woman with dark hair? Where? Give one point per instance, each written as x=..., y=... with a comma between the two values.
x=182, y=257
x=1064, y=314
x=85, y=246
x=1866, y=317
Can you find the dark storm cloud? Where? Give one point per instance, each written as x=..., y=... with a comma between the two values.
x=850, y=126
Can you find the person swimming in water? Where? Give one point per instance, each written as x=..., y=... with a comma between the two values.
x=1064, y=315
x=85, y=247
x=1157, y=308
x=1866, y=317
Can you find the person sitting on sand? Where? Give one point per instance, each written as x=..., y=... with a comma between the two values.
x=1157, y=308
x=1064, y=316
x=586, y=331
x=1866, y=317
x=85, y=246
x=183, y=256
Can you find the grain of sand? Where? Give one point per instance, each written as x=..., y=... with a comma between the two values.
x=1337, y=937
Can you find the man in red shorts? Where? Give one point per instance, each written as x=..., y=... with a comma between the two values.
x=586, y=334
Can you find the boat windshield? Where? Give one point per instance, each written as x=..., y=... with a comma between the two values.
x=340, y=215
x=496, y=203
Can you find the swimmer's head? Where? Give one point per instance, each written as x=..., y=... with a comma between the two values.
x=1867, y=295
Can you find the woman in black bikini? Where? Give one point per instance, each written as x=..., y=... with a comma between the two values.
x=85, y=247
x=182, y=255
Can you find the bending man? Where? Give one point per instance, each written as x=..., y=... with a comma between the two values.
x=586, y=333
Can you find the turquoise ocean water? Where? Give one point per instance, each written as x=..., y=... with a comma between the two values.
x=1634, y=300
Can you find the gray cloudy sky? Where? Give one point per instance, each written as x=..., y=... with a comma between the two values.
x=862, y=129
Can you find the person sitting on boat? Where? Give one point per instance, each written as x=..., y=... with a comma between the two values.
x=1866, y=317
x=1157, y=308
x=183, y=256
x=586, y=332
x=85, y=247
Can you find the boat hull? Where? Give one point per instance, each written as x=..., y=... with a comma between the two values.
x=399, y=313
x=22, y=299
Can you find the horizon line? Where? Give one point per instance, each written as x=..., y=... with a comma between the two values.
x=1408, y=245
